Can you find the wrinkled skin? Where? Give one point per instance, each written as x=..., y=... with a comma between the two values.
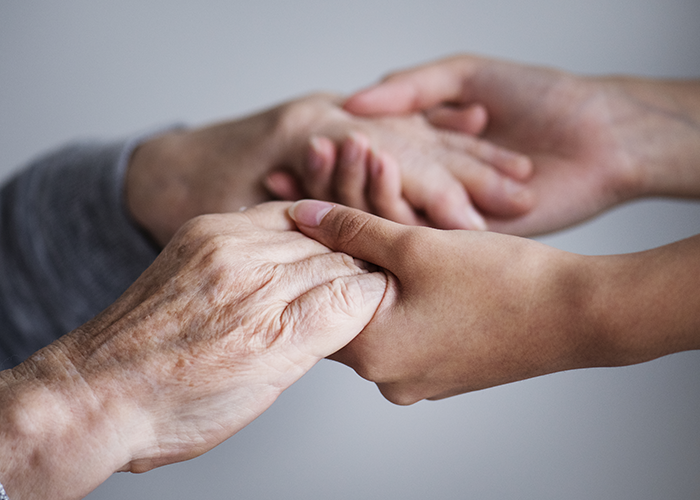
x=239, y=163
x=235, y=309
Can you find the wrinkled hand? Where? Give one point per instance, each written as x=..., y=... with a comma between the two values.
x=234, y=310
x=405, y=170
x=223, y=167
x=575, y=130
x=464, y=310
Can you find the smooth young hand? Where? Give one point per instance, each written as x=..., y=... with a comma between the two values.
x=467, y=310
x=594, y=142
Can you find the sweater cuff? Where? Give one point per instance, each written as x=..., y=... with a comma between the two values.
x=69, y=248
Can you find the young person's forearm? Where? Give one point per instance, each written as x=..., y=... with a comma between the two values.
x=644, y=305
x=658, y=124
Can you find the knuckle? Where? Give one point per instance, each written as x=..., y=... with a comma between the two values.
x=410, y=247
x=193, y=234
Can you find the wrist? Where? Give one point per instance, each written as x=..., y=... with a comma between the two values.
x=567, y=301
x=156, y=186
x=645, y=304
x=58, y=438
x=657, y=124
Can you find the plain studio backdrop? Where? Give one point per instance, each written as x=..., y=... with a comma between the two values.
x=84, y=68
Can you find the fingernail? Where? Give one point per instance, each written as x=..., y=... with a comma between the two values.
x=315, y=154
x=475, y=219
x=375, y=164
x=309, y=213
x=512, y=188
x=352, y=148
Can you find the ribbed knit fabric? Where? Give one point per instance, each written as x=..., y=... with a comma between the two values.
x=67, y=247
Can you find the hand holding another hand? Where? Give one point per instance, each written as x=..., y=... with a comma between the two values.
x=593, y=142
x=404, y=169
x=235, y=309
x=464, y=310
x=467, y=310
x=289, y=151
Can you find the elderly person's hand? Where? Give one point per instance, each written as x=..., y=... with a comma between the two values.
x=235, y=309
x=406, y=170
x=226, y=166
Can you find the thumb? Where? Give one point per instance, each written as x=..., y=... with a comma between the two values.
x=329, y=316
x=356, y=233
x=417, y=89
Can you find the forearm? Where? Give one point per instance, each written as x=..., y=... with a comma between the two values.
x=657, y=122
x=644, y=305
x=56, y=437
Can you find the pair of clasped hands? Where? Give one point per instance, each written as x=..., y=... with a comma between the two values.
x=242, y=302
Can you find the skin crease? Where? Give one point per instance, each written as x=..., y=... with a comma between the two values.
x=226, y=166
x=235, y=309
x=468, y=310
x=594, y=142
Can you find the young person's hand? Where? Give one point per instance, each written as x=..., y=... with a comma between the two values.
x=594, y=142
x=466, y=310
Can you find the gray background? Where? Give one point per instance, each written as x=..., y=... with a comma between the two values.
x=75, y=69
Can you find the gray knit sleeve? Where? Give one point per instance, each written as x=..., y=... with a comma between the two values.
x=67, y=246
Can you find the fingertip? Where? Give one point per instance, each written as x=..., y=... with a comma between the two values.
x=522, y=197
x=478, y=118
x=524, y=167
x=505, y=197
x=513, y=164
x=282, y=185
x=467, y=217
x=361, y=102
x=449, y=206
x=321, y=155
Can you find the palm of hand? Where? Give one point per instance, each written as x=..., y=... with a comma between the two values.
x=569, y=131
